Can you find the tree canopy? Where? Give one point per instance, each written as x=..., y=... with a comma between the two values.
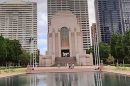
x=12, y=52
x=118, y=49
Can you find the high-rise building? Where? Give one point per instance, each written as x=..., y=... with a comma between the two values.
x=78, y=8
x=18, y=20
x=108, y=19
x=125, y=12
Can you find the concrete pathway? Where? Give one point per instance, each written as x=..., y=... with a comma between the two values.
x=61, y=69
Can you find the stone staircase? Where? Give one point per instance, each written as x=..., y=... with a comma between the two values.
x=62, y=61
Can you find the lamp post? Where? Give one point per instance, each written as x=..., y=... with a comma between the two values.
x=96, y=50
x=19, y=63
x=128, y=50
x=32, y=51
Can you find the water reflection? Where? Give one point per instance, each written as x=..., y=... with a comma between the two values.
x=67, y=79
x=98, y=78
x=72, y=79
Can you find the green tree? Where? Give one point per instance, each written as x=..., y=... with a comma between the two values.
x=104, y=50
x=24, y=57
x=117, y=47
x=110, y=59
x=10, y=51
x=38, y=55
x=13, y=48
x=2, y=49
x=126, y=42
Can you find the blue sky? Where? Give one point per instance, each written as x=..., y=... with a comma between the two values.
x=42, y=22
x=42, y=26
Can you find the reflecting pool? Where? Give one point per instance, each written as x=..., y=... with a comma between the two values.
x=67, y=79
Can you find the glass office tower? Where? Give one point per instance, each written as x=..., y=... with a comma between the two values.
x=108, y=18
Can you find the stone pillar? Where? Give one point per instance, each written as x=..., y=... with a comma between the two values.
x=56, y=45
x=59, y=40
x=78, y=59
x=48, y=41
x=53, y=48
x=91, y=59
x=50, y=44
x=75, y=36
x=80, y=43
x=52, y=59
x=70, y=47
x=53, y=38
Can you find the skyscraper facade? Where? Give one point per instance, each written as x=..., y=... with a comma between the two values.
x=78, y=8
x=125, y=12
x=108, y=18
x=18, y=20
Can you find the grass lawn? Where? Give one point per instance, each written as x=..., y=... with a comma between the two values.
x=117, y=68
x=12, y=70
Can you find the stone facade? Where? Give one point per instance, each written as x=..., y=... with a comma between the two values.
x=65, y=40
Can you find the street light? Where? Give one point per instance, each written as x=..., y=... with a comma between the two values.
x=96, y=50
x=32, y=52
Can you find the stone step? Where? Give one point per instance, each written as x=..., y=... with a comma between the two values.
x=63, y=61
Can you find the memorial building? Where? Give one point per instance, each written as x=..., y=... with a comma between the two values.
x=65, y=42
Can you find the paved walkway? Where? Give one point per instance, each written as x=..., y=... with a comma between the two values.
x=76, y=69
x=61, y=69
x=65, y=69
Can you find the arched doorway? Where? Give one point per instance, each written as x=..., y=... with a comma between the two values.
x=64, y=34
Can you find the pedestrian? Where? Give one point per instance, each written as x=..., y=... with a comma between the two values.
x=72, y=66
x=67, y=65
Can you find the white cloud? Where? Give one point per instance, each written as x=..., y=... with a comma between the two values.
x=42, y=42
x=42, y=45
x=42, y=26
x=91, y=10
x=43, y=50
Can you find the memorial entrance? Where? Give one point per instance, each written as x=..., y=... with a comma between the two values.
x=64, y=35
x=65, y=53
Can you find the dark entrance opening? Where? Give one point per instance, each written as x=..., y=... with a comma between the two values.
x=65, y=53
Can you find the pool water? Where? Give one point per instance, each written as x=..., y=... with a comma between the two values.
x=67, y=79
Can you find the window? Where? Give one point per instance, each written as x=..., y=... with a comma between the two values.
x=64, y=33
